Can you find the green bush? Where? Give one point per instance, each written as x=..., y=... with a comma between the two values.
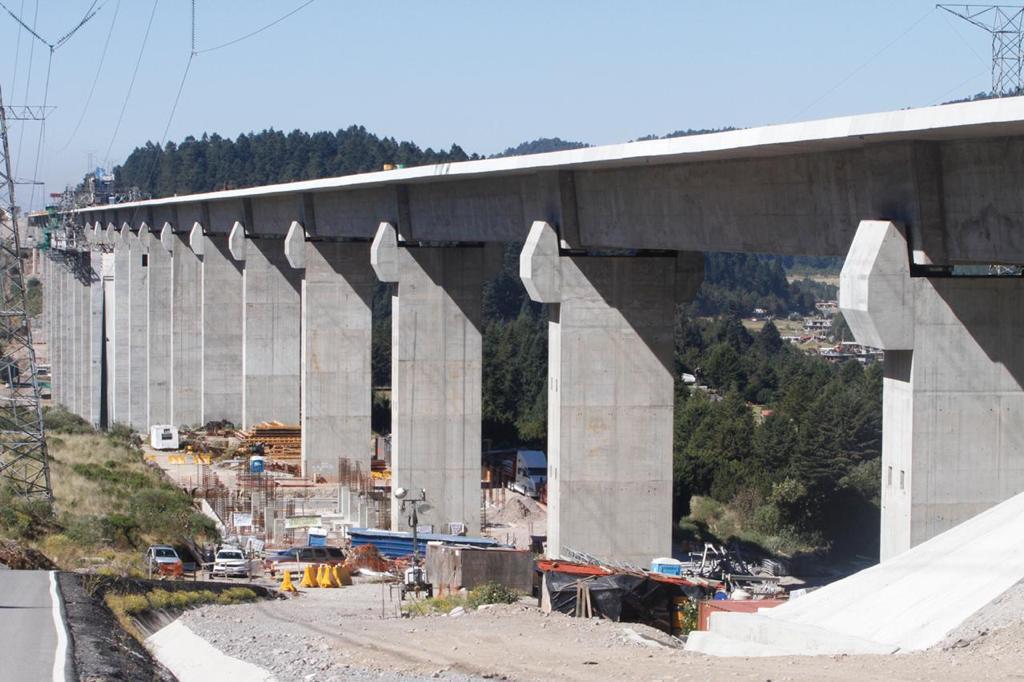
x=119, y=530
x=57, y=419
x=122, y=434
x=24, y=518
x=491, y=593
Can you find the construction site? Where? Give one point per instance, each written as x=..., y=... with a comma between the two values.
x=514, y=416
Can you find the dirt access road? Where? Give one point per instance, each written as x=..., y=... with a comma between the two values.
x=341, y=634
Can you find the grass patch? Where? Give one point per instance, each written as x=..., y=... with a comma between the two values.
x=126, y=606
x=108, y=503
x=488, y=593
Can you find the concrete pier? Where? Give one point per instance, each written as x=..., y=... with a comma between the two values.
x=953, y=392
x=337, y=295
x=138, y=332
x=80, y=336
x=158, y=318
x=186, y=329
x=271, y=327
x=610, y=394
x=76, y=336
x=60, y=333
x=94, y=369
x=436, y=376
x=120, y=366
x=222, y=328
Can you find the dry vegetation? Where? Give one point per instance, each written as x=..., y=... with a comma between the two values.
x=109, y=504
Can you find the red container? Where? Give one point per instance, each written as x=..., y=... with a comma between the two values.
x=707, y=607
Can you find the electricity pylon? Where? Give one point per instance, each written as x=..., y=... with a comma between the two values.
x=1004, y=22
x=24, y=466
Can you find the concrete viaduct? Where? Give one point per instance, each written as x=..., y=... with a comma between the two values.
x=254, y=304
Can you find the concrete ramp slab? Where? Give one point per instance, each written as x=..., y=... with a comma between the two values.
x=908, y=603
x=192, y=659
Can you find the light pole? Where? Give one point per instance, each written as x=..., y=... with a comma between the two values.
x=414, y=576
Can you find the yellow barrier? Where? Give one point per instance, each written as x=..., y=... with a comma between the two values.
x=342, y=576
x=323, y=576
x=308, y=579
x=286, y=583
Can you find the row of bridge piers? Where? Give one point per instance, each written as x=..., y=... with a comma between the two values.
x=189, y=327
x=182, y=327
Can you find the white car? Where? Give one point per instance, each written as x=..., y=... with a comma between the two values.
x=229, y=563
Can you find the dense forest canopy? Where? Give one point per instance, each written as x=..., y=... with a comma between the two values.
x=212, y=162
x=788, y=443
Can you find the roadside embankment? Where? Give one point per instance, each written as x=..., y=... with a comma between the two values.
x=106, y=639
x=100, y=648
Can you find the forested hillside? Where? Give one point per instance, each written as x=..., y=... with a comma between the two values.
x=782, y=445
x=212, y=162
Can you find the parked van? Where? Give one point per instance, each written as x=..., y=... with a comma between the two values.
x=531, y=472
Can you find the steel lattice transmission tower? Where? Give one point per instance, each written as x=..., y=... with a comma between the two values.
x=23, y=459
x=1004, y=22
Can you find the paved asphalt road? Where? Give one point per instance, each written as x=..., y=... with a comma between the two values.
x=28, y=637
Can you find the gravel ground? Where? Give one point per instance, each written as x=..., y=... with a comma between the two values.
x=341, y=635
x=1005, y=611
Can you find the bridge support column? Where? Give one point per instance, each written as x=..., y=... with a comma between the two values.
x=84, y=370
x=58, y=325
x=77, y=335
x=186, y=328
x=93, y=381
x=610, y=394
x=436, y=365
x=271, y=327
x=68, y=337
x=158, y=321
x=138, y=332
x=953, y=390
x=337, y=296
x=221, y=320
x=75, y=319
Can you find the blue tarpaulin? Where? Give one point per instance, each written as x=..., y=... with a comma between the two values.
x=392, y=543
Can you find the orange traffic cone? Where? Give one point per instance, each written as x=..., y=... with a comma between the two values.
x=308, y=579
x=286, y=582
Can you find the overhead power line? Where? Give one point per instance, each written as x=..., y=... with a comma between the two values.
x=131, y=83
x=96, y=78
x=17, y=52
x=53, y=47
x=863, y=65
x=247, y=35
x=89, y=14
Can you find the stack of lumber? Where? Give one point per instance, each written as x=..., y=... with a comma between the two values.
x=281, y=442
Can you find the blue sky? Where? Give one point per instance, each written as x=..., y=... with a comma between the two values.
x=485, y=75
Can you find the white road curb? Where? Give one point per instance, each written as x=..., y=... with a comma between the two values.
x=61, y=654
